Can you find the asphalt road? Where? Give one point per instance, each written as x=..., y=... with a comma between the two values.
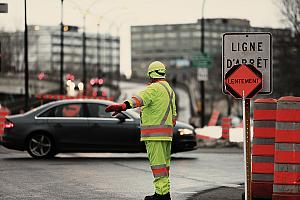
x=115, y=176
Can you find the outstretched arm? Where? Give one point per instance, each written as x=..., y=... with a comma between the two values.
x=133, y=102
x=142, y=99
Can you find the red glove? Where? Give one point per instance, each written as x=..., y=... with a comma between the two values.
x=174, y=122
x=116, y=108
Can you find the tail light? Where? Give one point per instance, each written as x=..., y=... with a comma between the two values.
x=8, y=124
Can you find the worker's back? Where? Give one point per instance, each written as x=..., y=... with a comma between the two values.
x=158, y=111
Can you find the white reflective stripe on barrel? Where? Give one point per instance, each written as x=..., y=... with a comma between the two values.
x=294, y=105
x=265, y=106
x=287, y=147
x=262, y=177
x=263, y=159
x=263, y=141
x=286, y=188
x=264, y=124
x=287, y=167
x=288, y=126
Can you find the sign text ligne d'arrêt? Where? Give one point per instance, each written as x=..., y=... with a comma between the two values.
x=259, y=62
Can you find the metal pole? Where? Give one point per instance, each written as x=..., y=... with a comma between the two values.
x=247, y=147
x=83, y=57
x=119, y=65
x=26, y=106
x=62, y=51
x=98, y=51
x=111, y=61
x=229, y=102
x=202, y=89
x=0, y=56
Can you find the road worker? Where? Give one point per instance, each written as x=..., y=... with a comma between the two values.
x=158, y=116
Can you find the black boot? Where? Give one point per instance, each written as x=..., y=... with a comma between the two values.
x=158, y=197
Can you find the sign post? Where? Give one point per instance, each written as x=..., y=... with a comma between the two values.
x=247, y=147
x=244, y=81
x=247, y=71
x=202, y=61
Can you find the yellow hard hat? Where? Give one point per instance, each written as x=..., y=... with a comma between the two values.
x=157, y=69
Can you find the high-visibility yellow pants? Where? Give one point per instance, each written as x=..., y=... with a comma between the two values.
x=159, y=154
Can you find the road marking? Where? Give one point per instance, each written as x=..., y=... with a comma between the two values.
x=186, y=192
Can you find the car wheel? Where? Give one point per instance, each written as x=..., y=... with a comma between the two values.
x=40, y=146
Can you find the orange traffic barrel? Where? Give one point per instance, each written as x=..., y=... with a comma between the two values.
x=287, y=150
x=213, y=118
x=226, y=124
x=264, y=123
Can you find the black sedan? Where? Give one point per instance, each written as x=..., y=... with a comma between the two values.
x=82, y=126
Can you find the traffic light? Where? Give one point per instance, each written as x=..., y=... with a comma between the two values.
x=68, y=28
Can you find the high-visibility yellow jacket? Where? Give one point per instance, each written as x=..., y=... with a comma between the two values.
x=158, y=111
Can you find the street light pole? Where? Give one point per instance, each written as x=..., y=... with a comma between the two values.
x=62, y=50
x=26, y=60
x=202, y=89
x=84, y=72
x=83, y=56
x=98, y=51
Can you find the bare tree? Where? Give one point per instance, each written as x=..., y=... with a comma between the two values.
x=290, y=10
x=286, y=82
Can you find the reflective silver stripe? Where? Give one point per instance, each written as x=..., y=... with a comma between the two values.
x=287, y=126
x=132, y=102
x=155, y=126
x=287, y=147
x=158, y=166
x=263, y=141
x=287, y=168
x=161, y=174
x=263, y=159
x=167, y=112
x=156, y=135
x=262, y=177
x=288, y=105
x=169, y=106
x=286, y=188
x=140, y=99
x=264, y=124
x=265, y=106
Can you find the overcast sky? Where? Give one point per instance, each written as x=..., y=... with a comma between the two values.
x=120, y=14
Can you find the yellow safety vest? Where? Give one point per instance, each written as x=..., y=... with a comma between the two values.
x=158, y=111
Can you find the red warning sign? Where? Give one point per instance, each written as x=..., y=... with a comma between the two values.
x=243, y=80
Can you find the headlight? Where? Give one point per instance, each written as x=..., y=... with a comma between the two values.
x=184, y=131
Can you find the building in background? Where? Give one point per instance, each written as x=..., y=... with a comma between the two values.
x=44, y=52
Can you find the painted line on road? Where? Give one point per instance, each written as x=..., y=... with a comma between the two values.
x=184, y=192
x=211, y=182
